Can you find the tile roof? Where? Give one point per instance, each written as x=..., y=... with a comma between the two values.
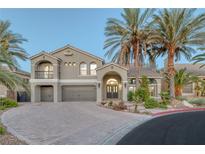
x=148, y=71
x=192, y=68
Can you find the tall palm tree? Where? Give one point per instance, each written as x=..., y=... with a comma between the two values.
x=10, y=51
x=178, y=32
x=127, y=38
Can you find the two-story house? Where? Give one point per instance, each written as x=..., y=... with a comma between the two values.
x=70, y=74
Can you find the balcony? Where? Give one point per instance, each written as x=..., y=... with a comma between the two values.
x=44, y=74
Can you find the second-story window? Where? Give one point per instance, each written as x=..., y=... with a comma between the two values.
x=93, y=67
x=83, y=69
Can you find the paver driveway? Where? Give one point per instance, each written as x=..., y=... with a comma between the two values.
x=66, y=123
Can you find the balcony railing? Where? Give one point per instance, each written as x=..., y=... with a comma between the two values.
x=44, y=74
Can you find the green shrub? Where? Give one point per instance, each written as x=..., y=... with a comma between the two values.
x=7, y=103
x=151, y=103
x=130, y=96
x=2, y=107
x=162, y=105
x=197, y=101
x=2, y=130
x=165, y=97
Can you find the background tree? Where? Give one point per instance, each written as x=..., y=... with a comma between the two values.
x=178, y=32
x=181, y=79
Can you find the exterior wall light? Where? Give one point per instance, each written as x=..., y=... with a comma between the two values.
x=98, y=85
x=125, y=85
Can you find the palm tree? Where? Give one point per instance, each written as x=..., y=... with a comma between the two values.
x=181, y=79
x=127, y=39
x=200, y=58
x=178, y=32
x=10, y=51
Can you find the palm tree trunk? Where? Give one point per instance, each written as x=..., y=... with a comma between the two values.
x=178, y=91
x=136, y=62
x=171, y=73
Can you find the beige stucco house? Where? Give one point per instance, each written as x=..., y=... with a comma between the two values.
x=71, y=74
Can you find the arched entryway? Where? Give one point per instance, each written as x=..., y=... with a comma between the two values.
x=112, y=86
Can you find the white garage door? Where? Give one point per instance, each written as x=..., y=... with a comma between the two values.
x=79, y=93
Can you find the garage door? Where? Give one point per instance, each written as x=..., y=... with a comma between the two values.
x=79, y=93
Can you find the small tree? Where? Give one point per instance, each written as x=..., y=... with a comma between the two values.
x=142, y=93
x=137, y=99
x=144, y=88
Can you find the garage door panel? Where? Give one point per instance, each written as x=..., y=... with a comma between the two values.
x=79, y=93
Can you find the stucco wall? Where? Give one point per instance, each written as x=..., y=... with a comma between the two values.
x=73, y=72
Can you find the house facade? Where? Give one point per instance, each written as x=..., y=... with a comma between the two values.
x=71, y=74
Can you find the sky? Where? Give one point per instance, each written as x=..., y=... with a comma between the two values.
x=50, y=29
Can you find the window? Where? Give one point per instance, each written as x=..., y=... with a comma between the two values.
x=93, y=67
x=83, y=69
x=74, y=63
x=66, y=64
x=69, y=64
x=132, y=81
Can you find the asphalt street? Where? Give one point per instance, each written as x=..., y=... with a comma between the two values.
x=176, y=129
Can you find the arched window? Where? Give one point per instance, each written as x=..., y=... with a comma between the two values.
x=93, y=67
x=83, y=69
x=44, y=70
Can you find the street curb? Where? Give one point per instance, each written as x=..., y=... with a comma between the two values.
x=13, y=132
x=177, y=111
x=116, y=136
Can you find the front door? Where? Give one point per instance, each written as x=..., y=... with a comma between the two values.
x=112, y=91
x=46, y=93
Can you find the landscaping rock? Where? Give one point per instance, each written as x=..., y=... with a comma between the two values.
x=185, y=103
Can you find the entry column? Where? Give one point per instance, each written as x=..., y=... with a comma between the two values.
x=124, y=91
x=99, y=91
x=55, y=93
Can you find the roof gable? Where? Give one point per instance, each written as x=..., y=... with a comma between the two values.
x=114, y=64
x=44, y=53
x=78, y=50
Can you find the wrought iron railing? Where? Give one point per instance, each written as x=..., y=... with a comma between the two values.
x=44, y=74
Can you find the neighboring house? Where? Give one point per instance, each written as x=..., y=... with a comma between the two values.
x=19, y=94
x=70, y=74
x=196, y=71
